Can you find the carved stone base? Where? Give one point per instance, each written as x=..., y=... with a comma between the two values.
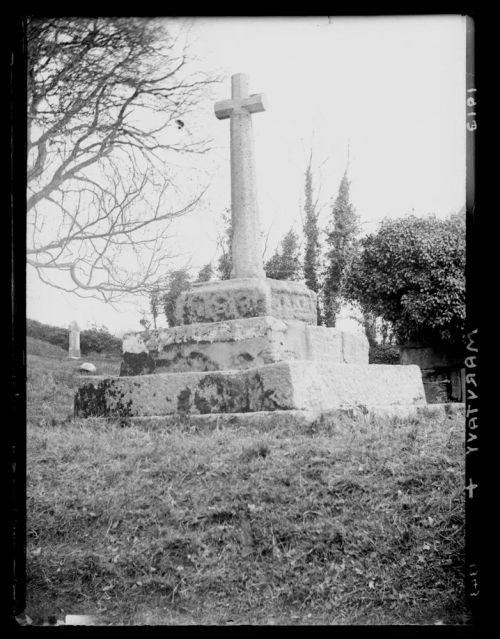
x=238, y=344
x=297, y=385
x=246, y=297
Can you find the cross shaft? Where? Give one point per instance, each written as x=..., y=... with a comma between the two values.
x=246, y=251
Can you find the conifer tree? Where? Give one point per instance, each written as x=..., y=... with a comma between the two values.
x=225, y=262
x=206, y=273
x=179, y=281
x=311, y=234
x=341, y=242
x=285, y=263
x=154, y=303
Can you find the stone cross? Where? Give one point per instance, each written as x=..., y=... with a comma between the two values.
x=246, y=245
x=74, y=341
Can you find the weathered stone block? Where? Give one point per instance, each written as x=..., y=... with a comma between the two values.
x=137, y=364
x=297, y=385
x=246, y=297
x=293, y=301
x=237, y=344
x=342, y=347
x=136, y=359
x=321, y=385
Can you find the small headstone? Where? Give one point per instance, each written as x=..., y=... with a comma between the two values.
x=74, y=341
x=87, y=367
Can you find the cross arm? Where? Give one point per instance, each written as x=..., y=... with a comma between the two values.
x=223, y=109
x=253, y=104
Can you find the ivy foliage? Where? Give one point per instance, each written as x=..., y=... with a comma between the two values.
x=412, y=274
x=178, y=281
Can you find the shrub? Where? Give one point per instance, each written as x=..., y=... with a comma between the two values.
x=95, y=340
x=52, y=334
x=384, y=354
x=412, y=274
x=99, y=340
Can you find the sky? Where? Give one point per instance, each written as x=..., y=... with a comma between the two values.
x=383, y=97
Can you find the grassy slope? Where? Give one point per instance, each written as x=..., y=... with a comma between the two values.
x=356, y=523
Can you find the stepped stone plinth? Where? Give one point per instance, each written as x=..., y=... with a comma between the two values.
x=238, y=344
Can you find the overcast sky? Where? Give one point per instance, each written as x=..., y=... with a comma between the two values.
x=390, y=88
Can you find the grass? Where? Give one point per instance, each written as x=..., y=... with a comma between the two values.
x=358, y=522
x=52, y=379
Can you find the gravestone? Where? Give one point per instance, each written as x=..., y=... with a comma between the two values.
x=249, y=345
x=74, y=341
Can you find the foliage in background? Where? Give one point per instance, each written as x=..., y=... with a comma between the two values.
x=383, y=354
x=387, y=332
x=312, y=250
x=369, y=322
x=206, y=273
x=411, y=272
x=285, y=263
x=225, y=262
x=106, y=99
x=155, y=303
x=99, y=340
x=53, y=334
x=178, y=281
x=342, y=245
x=95, y=340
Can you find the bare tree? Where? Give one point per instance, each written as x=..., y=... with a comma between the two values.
x=107, y=104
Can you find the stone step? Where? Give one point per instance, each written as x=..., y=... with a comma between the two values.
x=237, y=344
x=293, y=385
x=287, y=421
